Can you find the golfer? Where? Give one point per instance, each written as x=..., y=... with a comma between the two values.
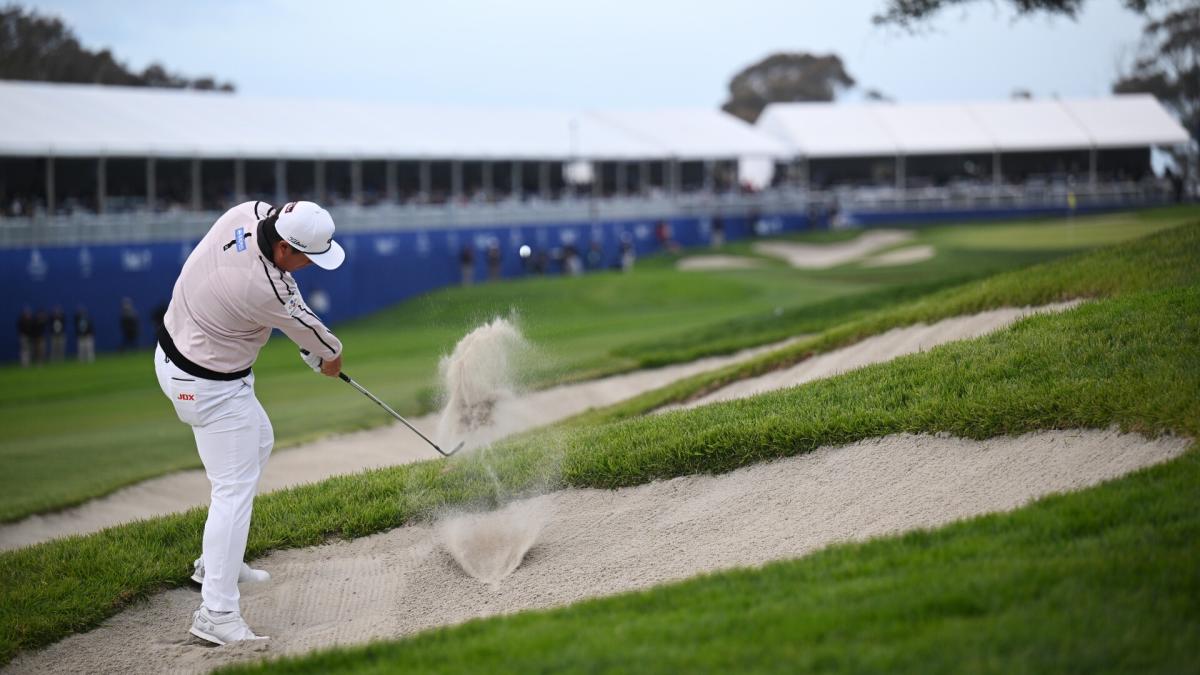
x=234, y=288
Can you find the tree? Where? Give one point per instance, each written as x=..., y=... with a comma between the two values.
x=909, y=13
x=876, y=96
x=1168, y=64
x=44, y=49
x=785, y=77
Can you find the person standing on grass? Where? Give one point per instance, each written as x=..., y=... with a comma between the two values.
x=41, y=321
x=25, y=331
x=85, y=336
x=58, y=335
x=234, y=288
x=129, y=325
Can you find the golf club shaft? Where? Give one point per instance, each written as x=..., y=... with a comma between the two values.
x=391, y=412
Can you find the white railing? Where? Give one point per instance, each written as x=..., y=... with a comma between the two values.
x=176, y=225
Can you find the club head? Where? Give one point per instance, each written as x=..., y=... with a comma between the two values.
x=456, y=448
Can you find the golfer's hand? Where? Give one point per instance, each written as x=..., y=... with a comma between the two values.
x=332, y=367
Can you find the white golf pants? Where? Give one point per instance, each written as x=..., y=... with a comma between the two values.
x=234, y=438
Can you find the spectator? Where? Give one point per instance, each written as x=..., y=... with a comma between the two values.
x=58, y=335
x=541, y=261
x=572, y=265
x=466, y=263
x=595, y=256
x=1176, y=182
x=628, y=254
x=40, y=320
x=662, y=232
x=718, y=232
x=85, y=335
x=129, y=325
x=25, y=330
x=493, y=260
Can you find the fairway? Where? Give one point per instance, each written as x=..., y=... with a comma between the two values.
x=1074, y=233
x=121, y=430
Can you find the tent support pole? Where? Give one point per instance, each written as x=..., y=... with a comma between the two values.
x=196, y=184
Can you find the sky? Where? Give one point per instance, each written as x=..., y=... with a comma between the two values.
x=610, y=54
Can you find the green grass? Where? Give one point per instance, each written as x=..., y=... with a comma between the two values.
x=963, y=253
x=1071, y=234
x=119, y=429
x=1122, y=268
x=1129, y=360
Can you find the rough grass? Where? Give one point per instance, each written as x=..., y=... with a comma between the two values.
x=1132, y=360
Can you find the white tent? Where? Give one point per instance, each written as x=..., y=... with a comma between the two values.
x=822, y=130
x=41, y=119
x=694, y=133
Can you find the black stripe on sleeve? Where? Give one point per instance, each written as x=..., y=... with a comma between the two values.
x=285, y=283
x=280, y=299
x=314, y=331
x=256, y=209
x=271, y=281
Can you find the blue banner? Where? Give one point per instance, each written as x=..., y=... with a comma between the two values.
x=382, y=268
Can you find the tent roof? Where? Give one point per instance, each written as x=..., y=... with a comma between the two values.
x=1126, y=121
x=882, y=129
x=694, y=133
x=88, y=120
x=822, y=130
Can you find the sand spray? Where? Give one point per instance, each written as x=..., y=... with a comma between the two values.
x=481, y=381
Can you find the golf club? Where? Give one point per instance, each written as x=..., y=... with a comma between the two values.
x=346, y=378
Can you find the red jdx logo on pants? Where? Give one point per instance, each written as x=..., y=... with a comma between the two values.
x=187, y=397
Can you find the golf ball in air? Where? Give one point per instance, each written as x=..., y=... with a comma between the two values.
x=525, y=251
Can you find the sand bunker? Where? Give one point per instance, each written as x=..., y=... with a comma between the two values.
x=901, y=256
x=717, y=262
x=877, y=349
x=351, y=453
x=603, y=542
x=822, y=256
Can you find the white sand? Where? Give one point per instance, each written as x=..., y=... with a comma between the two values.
x=717, y=262
x=822, y=256
x=604, y=542
x=901, y=256
x=876, y=349
x=350, y=453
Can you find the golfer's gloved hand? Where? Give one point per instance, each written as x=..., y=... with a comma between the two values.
x=311, y=360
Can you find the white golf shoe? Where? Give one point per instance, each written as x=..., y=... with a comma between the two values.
x=245, y=575
x=221, y=628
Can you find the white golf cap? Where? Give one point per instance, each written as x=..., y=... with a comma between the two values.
x=309, y=229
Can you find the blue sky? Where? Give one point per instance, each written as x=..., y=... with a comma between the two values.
x=616, y=53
